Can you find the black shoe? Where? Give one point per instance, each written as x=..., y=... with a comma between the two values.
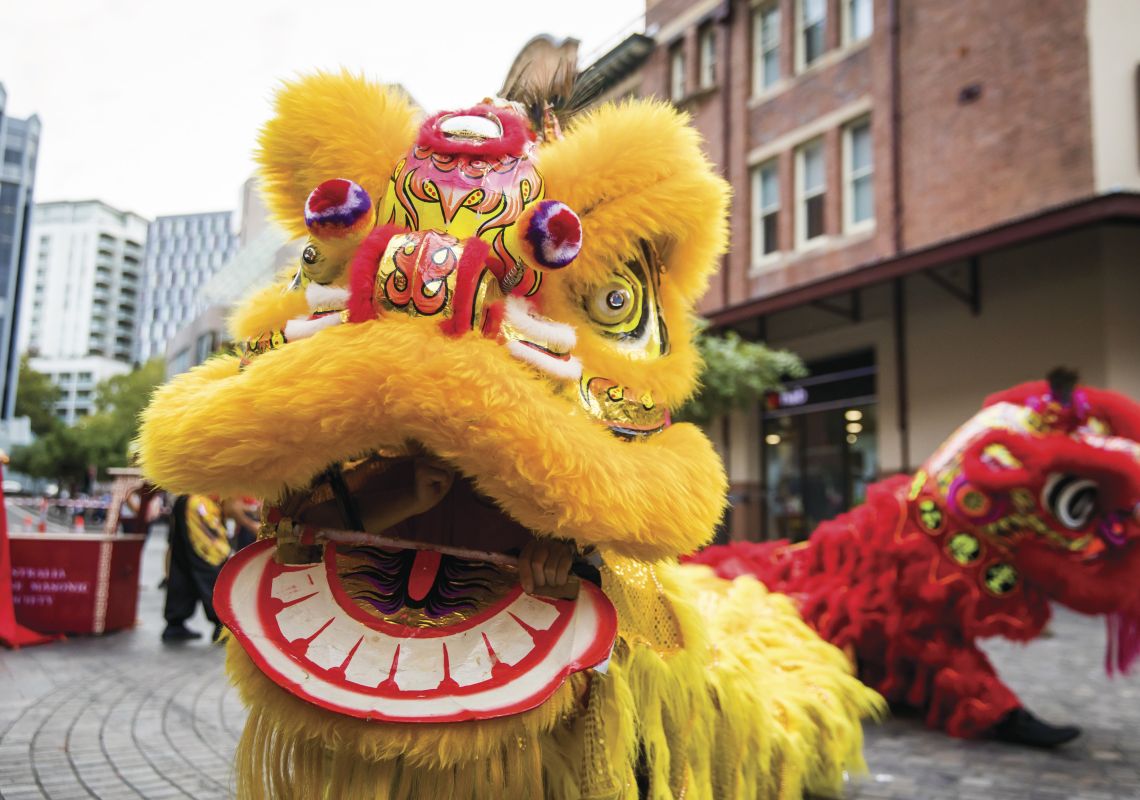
x=179, y=633
x=1020, y=726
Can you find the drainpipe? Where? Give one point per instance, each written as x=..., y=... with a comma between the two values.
x=896, y=127
x=724, y=18
x=902, y=377
x=726, y=131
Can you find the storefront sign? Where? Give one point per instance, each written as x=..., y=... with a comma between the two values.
x=818, y=392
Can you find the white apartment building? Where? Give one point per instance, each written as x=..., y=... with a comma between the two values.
x=79, y=307
x=182, y=253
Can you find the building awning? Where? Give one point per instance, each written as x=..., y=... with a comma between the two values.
x=1101, y=209
x=617, y=64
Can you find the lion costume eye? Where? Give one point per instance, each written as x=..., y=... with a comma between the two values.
x=310, y=255
x=1070, y=499
x=614, y=305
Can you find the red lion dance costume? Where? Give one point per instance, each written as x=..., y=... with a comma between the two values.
x=1036, y=498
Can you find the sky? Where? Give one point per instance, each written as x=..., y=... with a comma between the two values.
x=154, y=105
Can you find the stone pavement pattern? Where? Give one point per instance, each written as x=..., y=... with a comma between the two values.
x=124, y=717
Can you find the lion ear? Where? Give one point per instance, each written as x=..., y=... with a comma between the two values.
x=331, y=125
x=637, y=171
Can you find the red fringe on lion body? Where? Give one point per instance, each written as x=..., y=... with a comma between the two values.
x=973, y=546
x=863, y=582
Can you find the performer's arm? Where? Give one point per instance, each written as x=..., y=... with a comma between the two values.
x=235, y=510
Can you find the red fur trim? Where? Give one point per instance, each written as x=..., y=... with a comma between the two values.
x=1019, y=394
x=1122, y=413
x=864, y=581
x=1098, y=587
x=516, y=133
x=1119, y=411
x=467, y=272
x=1117, y=472
x=362, y=273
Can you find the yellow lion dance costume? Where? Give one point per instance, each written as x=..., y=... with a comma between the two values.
x=466, y=385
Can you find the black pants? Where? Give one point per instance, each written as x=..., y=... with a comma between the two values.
x=191, y=580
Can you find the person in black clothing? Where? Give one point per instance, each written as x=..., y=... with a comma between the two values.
x=198, y=549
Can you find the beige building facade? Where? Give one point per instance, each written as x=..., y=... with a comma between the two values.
x=932, y=201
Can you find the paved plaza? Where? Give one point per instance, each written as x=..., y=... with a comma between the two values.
x=124, y=717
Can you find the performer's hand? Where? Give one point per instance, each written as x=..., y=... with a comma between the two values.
x=544, y=568
x=430, y=483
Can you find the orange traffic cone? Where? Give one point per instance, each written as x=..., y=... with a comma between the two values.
x=80, y=524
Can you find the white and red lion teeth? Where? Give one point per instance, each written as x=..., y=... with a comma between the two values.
x=309, y=637
x=543, y=343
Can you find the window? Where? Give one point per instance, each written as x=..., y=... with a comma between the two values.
x=811, y=185
x=813, y=30
x=180, y=362
x=12, y=156
x=707, y=40
x=857, y=20
x=765, y=48
x=204, y=346
x=765, y=210
x=859, y=194
x=677, y=72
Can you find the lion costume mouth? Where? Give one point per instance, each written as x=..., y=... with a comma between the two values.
x=346, y=635
x=409, y=635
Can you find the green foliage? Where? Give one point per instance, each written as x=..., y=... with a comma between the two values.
x=737, y=373
x=57, y=455
x=35, y=399
x=100, y=440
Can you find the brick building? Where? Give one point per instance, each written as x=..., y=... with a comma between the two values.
x=933, y=201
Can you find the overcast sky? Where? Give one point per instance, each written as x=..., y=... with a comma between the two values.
x=154, y=105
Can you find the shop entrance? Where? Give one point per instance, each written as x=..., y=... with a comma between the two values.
x=819, y=445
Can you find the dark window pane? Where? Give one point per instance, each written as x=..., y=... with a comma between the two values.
x=814, y=217
x=771, y=232
x=813, y=43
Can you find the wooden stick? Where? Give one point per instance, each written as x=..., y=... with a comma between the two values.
x=376, y=540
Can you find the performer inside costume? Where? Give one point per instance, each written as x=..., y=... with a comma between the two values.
x=199, y=546
x=1035, y=499
x=456, y=410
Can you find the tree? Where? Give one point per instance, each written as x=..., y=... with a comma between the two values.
x=35, y=398
x=737, y=373
x=58, y=455
x=100, y=440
